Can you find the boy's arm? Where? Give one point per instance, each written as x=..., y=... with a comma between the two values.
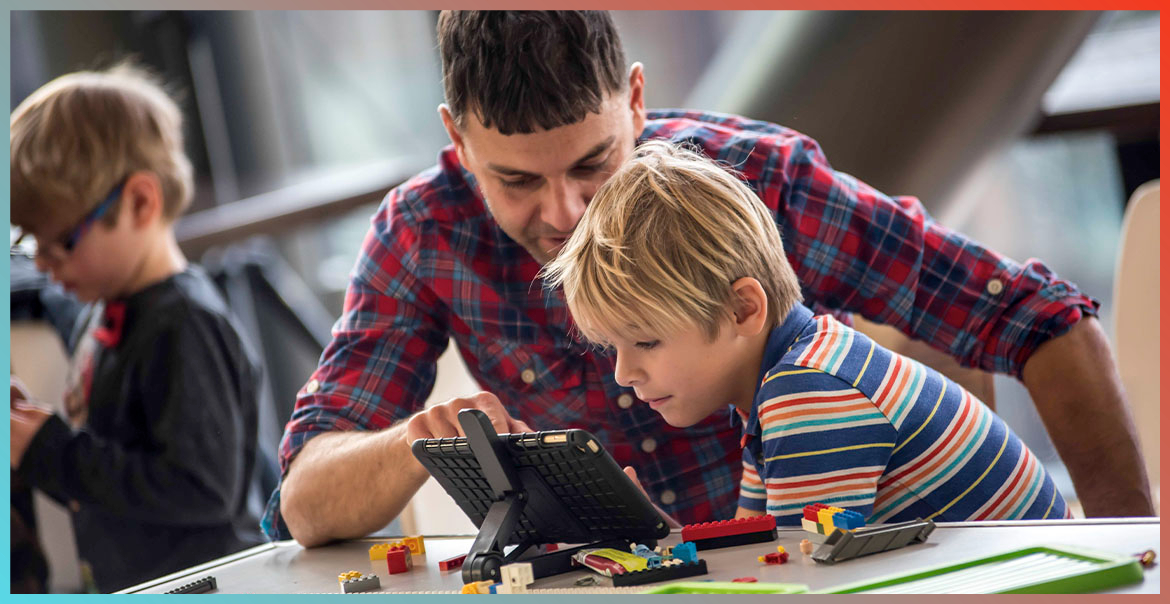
x=856, y=249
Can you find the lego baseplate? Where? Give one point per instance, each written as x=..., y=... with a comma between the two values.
x=1045, y=569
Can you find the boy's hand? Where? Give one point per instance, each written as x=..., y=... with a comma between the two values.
x=442, y=421
x=633, y=474
x=27, y=420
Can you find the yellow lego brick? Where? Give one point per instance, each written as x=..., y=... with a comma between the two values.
x=478, y=587
x=353, y=574
x=416, y=545
x=378, y=551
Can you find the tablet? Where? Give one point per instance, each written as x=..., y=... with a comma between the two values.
x=573, y=491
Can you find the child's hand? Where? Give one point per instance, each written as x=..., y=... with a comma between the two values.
x=17, y=391
x=442, y=421
x=633, y=474
x=27, y=420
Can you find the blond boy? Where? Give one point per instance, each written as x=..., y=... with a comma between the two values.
x=156, y=452
x=679, y=268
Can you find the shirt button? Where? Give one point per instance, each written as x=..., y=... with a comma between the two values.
x=528, y=376
x=625, y=401
x=75, y=506
x=649, y=445
x=667, y=497
x=312, y=386
x=994, y=287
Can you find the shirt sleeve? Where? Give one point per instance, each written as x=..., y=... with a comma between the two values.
x=822, y=441
x=855, y=249
x=380, y=365
x=190, y=467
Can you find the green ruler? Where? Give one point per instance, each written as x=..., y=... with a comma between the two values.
x=1046, y=569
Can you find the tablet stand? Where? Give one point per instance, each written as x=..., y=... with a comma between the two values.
x=487, y=552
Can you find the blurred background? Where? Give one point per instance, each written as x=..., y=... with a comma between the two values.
x=1028, y=131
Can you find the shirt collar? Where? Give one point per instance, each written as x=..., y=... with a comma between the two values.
x=778, y=343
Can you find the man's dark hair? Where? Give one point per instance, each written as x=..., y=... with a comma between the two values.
x=518, y=71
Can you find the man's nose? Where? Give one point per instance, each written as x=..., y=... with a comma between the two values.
x=565, y=206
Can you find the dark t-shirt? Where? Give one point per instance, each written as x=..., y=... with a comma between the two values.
x=157, y=475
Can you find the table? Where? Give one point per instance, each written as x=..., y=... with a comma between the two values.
x=285, y=567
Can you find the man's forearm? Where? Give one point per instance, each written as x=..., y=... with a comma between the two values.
x=348, y=485
x=1077, y=391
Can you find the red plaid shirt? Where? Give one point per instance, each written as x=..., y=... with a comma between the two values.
x=435, y=266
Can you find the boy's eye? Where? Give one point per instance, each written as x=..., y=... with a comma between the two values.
x=647, y=345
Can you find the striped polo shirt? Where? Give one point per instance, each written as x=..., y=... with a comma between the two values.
x=840, y=420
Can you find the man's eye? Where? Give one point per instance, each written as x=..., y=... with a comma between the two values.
x=588, y=169
x=648, y=345
x=518, y=184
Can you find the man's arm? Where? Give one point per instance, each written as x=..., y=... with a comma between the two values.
x=1077, y=391
x=346, y=485
x=349, y=484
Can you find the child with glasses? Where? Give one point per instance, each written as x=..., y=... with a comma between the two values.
x=156, y=447
x=679, y=267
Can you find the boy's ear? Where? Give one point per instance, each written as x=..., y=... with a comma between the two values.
x=143, y=195
x=750, y=306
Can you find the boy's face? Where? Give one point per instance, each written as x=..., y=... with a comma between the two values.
x=687, y=376
x=537, y=185
x=102, y=260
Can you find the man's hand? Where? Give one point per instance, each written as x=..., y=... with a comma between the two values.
x=27, y=419
x=442, y=420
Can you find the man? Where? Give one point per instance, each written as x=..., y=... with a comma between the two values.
x=541, y=108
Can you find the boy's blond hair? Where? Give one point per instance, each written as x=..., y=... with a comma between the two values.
x=661, y=243
x=80, y=135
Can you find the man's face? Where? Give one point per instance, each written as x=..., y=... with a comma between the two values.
x=537, y=185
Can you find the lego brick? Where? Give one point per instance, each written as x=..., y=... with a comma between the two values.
x=359, y=583
x=809, y=525
x=825, y=517
x=515, y=578
x=848, y=520
x=733, y=540
x=378, y=551
x=774, y=558
x=810, y=511
x=686, y=551
x=744, y=580
x=723, y=528
x=845, y=545
x=664, y=573
x=416, y=545
x=398, y=559
x=203, y=585
x=478, y=587
x=454, y=563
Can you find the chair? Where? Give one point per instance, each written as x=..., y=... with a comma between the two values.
x=1136, y=319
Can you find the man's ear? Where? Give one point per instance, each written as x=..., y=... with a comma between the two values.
x=637, y=86
x=142, y=199
x=453, y=132
x=750, y=305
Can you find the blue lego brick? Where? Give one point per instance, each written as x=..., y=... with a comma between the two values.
x=848, y=520
x=686, y=551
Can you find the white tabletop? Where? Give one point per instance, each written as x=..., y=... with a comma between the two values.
x=285, y=567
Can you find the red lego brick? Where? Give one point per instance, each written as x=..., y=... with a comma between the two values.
x=724, y=528
x=452, y=563
x=398, y=559
x=744, y=580
x=774, y=558
x=810, y=511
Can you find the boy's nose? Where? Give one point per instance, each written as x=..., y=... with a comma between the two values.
x=624, y=374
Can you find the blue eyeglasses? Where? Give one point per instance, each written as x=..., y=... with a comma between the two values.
x=69, y=241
